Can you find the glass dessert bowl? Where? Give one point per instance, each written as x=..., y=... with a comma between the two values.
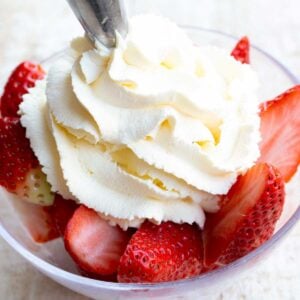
x=52, y=260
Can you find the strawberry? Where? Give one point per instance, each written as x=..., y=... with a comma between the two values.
x=16, y=156
x=93, y=244
x=162, y=252
x=62, y=211
x=21, y=79
x=37, y=220
x=241, y=51
x=280, y=129
x=246, y=218
x=20, y=172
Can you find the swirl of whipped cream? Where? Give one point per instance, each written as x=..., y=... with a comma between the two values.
x=156, y=129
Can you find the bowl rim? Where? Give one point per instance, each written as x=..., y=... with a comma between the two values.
x=213, y=275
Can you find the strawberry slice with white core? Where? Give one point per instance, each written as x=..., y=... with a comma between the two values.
x=93, y=244
x=247, y=216
x=280, y=129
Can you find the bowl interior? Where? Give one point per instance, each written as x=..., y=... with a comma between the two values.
x=52, y=260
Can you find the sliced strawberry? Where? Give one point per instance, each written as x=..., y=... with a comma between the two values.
x=62, y=211
x=20, y=172
x=162, y=252
x=241, y=51
x=246, y=218
x=16, y=156
x=93, y=244
x=21, y=79
x=37, y=221
x=280, y=129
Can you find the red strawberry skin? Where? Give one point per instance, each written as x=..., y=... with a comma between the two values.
x=94, y=245
x=21, y=79
x=241, y=51
x=62, y=211
x=280, y=130
x=247, y=216
x=16, y=160
x=164, y=252
x=16, y=156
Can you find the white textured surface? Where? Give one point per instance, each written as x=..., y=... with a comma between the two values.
x=35, y=29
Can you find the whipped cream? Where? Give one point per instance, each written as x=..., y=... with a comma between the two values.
x=156, y=128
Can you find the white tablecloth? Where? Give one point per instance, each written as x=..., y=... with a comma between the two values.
x=34, y=29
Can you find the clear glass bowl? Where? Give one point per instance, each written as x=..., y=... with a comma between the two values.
x=52, y=260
